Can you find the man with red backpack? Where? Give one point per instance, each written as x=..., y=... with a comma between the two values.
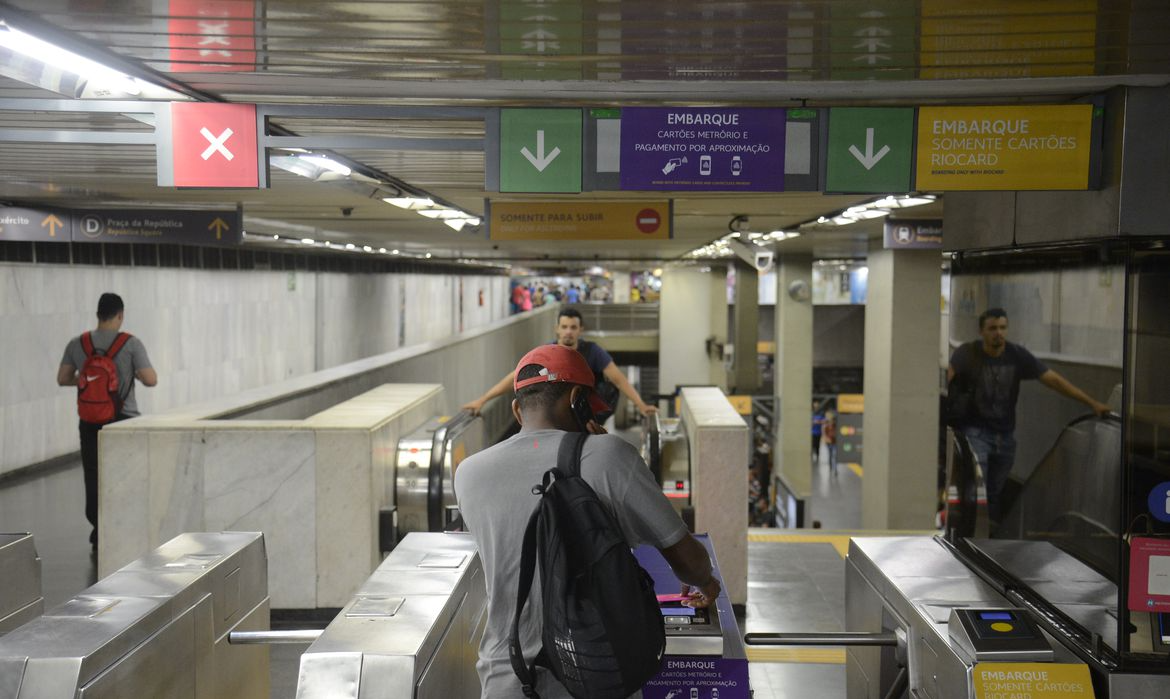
x=103, y=364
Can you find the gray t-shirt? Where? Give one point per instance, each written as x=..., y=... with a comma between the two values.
x=494, y=489
x=130, y=359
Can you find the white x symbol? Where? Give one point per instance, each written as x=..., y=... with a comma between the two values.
x=216, y=143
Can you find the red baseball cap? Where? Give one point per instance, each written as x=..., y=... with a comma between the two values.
x=559, y=363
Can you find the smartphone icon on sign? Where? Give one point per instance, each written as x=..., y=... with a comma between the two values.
x=704, y=165
x=736, y=165
x=695, y=690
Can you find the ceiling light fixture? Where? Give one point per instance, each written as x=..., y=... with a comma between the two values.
x=326, y=163
x=101, y=77
x=411, y=203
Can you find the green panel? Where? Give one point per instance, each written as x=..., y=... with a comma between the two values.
x=549, y=28
x=540, y=150
x=889, y=170
x=873, y=40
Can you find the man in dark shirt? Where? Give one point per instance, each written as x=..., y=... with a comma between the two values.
x=569, y=328
x=995, y=373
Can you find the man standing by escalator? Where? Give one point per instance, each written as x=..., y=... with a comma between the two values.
x=988, y=371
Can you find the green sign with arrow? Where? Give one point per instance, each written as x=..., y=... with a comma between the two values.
x=870, y=150
x=540, y=150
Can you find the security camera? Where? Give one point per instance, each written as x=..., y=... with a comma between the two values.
x=738, y=223
x=346, y=210
x=755, y=255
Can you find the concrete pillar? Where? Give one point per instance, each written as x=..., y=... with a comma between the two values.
x=621, y=286
x=793, y=373
x=744, y=378
x=685, y=321
x=902, y=320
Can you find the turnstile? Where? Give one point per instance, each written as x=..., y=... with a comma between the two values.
x=424, y=474
x=412, y=630
x=20, y=581
x=668, y=454
x=158, y=627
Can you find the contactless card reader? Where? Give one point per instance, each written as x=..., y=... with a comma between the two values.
x=998, y=634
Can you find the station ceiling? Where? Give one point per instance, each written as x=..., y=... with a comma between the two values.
x=593, y=53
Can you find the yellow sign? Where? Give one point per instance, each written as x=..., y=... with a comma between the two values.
x=850, y=403
x=579, y=220
x=1007, y=38
x=1032, y=680
x=1004, y=148
x=742, y=404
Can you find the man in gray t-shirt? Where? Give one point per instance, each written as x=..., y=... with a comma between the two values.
x=494, y=490
x=131, y=362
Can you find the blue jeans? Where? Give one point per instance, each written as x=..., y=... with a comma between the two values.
x=996, y=452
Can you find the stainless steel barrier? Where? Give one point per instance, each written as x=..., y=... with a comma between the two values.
x=425, y=468
x=20, y=581
x=668, y=453
x=412, y=630
x=156, y=628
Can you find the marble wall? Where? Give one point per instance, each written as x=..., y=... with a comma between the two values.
x=210, y=333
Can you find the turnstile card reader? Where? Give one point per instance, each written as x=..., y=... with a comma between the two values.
x=998, y=634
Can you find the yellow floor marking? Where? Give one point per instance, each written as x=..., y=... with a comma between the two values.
x=856, y=468
x=779, y=654
x=839, y=541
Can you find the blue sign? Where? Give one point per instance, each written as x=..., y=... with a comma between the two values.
x=702, y=149
x=1160, y=502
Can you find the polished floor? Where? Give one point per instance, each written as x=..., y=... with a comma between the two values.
x=795, y=577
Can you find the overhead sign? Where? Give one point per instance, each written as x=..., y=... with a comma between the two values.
x=41, y=225
x=212, y=36
x=183, y=227
x=1004, y=148
x=872, y=39
x=1032, y=680
x=870, y=150
x=702, y=149
x=214, y=145
x=905, y=234
x=579, y=220
x=539, y=29
x=540, y=150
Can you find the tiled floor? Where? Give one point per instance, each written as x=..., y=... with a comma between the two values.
x=796, y=577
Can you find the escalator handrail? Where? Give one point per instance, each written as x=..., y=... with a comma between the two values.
x=435, y=469
x=652, y=437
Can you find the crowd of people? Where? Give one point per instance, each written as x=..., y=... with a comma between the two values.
x=536, y=293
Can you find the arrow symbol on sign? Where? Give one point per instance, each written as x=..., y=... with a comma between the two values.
x=220, y=226
x=869, y=159
x=540, y=161
x=53, y=223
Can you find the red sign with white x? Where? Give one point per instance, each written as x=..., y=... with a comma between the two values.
x=214, y=145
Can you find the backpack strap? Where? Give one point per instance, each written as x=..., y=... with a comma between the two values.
x=117, y=345
x=87, y=343
x=523, y=670
x=569, y=454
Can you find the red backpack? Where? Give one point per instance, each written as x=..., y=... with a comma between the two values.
x=99, y=398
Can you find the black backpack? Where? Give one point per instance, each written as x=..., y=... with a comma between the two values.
x=603, y=633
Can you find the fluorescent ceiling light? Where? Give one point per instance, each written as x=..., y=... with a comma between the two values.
x=444, y=213
x=413, y=203
x=52, y=55
x=456, y=223
x=327, y=163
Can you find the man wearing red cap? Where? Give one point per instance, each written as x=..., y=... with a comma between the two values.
x=494, y=490
x=570, y=325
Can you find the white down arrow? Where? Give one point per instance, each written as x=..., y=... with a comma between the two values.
x=540, y=161
x=869, y=158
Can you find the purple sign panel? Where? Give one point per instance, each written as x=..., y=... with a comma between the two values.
x=702, y=149
x=699, y=677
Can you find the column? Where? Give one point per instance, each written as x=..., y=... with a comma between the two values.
x=793, y=373
x=685, y=320
x=902, y=319
x=744, y=378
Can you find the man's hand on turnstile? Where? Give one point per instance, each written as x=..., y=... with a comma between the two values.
x=700, y=597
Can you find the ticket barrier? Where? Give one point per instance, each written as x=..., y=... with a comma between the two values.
x=412, y=630
x=20, y=581
x=668, y=454
x=705, y=656
x=158, y=627
x=423, y=477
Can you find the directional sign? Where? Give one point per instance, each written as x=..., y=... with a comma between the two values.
x=212, y=36
x=185, y=227
x=540, y=150
x=869, y=150
x=214, y=145
x=703, y=148
x=579, y=220
x=33, y=224
x=917, y=234
x=872, y=39
x=540, y=29
x=1004, y=148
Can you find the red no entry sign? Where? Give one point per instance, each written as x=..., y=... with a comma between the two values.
x=648, y=220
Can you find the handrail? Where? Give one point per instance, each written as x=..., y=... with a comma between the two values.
x=652, y=444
